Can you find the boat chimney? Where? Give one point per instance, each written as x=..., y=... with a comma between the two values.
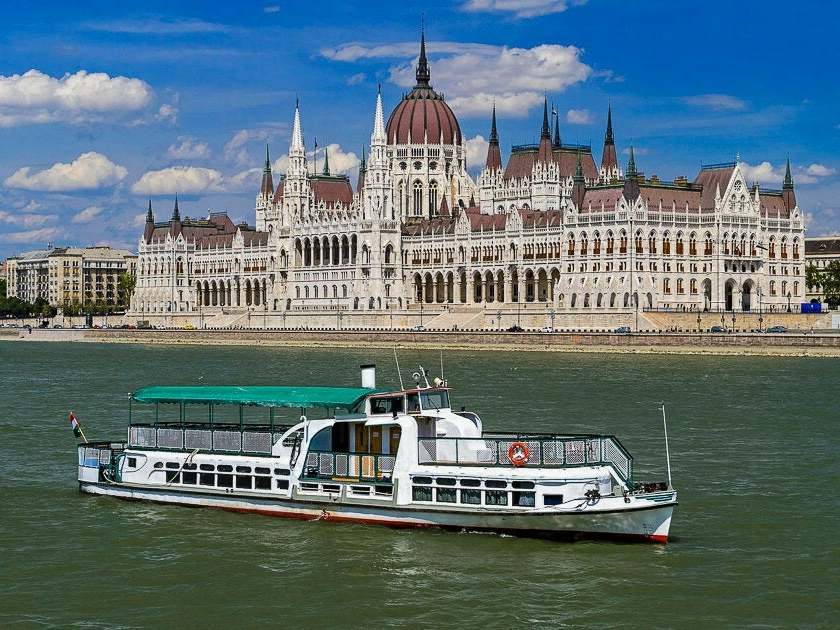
x=369, y=375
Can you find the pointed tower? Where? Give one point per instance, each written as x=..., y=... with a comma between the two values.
x=423, y=75
x=494, y=154
x=296, y=185
x=555, y=141
x=150, y=223
x=788, y=195
x=377, y=198
x=267, y=185
x=579, y=185
x=362, y=167
x=609, y=160
x=544, y=154
x=326, y=161
x=631, y=183
x=175, y=221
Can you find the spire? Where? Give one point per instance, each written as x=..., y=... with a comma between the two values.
x=422, y=74
x=631, y=164
x=296, y=145
x=149, y=229
x=788, y=195
x=378, y=137
x=555, y=142
x=150, y=217
x=609, y=159
x=362, y=169
x=494, y=155
x=544, y=154
x=579, y=169
x=267, y=185
x=546, y=131
x=326, y=160
x=176, y=214
x=579, y=186
x=788, y=183
x=631, y=184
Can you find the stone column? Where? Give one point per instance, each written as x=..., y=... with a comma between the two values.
x=470, y=289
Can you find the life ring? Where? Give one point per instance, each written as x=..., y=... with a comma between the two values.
x=518, y=453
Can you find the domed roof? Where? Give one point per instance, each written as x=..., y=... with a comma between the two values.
x=423, y=114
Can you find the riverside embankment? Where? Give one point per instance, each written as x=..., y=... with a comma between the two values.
x=759, y=344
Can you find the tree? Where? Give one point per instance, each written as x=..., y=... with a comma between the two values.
x=3, y=289
x=125, y=287
x=828, y=278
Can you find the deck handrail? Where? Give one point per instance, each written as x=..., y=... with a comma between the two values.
x=361, y=466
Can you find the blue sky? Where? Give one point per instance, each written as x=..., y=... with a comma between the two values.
x=104, y=106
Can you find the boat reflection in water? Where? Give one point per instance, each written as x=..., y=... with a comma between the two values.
x=399, y=458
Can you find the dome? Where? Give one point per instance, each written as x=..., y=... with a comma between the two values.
x=423, y=113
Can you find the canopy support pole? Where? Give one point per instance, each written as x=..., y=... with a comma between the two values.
x=271, y=420
x=241, y=419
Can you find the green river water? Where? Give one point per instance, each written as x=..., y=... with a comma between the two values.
x=754, y=452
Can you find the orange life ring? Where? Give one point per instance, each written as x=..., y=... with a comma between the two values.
x=518, y=453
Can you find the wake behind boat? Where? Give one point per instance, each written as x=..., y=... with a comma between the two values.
x=400, y=458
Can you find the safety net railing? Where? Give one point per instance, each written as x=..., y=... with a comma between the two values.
x=351, y=466
x=219, y=438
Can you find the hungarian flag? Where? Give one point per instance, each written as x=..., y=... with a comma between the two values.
x=77, y=429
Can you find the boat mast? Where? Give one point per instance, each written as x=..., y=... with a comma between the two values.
x=667, y=452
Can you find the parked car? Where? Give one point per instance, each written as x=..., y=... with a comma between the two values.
x=516, y=328
x=622, y=330
x=717, y=329
x=777, y=329
x=547, y=329
x=419, y=328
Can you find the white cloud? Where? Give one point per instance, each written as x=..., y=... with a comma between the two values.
x=476, y=151
x=271, y=8
x=167, y=112
x=357, y=78
x=763, y=173
x=157, y=26
x=235, y=151
x=820, y=170
x=717, y=102
x=88, y=214
x=41, y=235
x=88, y=171
x=188, y=149
x=579, y=117
x=34, y=97
x=179, y=179
x=520, y=8
x=341, y=162
x=24, y=219
x=139, y=220
x=245, y=181
x=471, y=79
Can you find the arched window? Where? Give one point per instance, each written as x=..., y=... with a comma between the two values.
x=418, y=198
x=433, y=199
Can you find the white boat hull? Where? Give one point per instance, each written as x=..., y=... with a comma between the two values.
x=646, y=517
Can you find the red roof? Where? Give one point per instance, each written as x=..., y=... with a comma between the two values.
x=217, y=230
x=424, y=114
x=710, y=179
x=332, y=190
x=521, y=163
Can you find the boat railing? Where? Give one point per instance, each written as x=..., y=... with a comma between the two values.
x=351, y=466
x=544, y=450
x=221, y=438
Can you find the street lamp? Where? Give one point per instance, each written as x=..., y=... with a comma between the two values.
x=698, y=322
x=788, y=297
x=552, y=314
x=733, y=322
x=499, y=320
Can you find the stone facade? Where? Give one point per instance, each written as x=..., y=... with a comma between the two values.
x=549, y=226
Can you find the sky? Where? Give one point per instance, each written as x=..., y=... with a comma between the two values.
x=106, y=105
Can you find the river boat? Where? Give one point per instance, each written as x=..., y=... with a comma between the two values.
x=400, y=458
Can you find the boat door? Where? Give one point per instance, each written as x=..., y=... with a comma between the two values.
x=394, y=439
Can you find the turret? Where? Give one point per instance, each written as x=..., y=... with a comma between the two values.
x=150, y=224
x=609, y=160
x=579, y=185
x=555, y=141
x=267, y=185
x=423, y=75
x=494, y=154
x=175, y=221
x=326, y=161
x=631, y=184
x=788, y=195
x=544, y=154
x=362, y=167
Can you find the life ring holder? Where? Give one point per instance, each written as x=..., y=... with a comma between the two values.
x=518, y=453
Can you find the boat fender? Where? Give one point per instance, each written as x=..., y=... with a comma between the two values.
x=593, y=495
x=518, y=454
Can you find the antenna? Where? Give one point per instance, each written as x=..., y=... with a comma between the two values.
x=397, y=361
x=667, y=452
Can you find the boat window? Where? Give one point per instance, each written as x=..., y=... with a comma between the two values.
x=523, y=485
x=495, y=483
x=446, y=495
x=243, y=481
x=282, y=484
x=445, y=481
x=412, y=403
x=243, y=469
x=360, y=489
x=524, y=499
x=419, y=493
x=172, y=477
x=158, y=464
x=553, y=499
x=328, y=487
x=388, y=406
x=262, y=483
x=173, y=465
x=132, y=462
x=471, y=496
x=471, y=483
x=496, y=497
x=190, y=467
x=281, y=471
x=206, y=479
x=341, y=437
x=385, y=490
x=189, y=478
x=435, y=400
x=422, y=480
x=225, y=468
x=207, y=467
x=224, y=481
x=309, y=487
x=262, y=471
x=321, y=441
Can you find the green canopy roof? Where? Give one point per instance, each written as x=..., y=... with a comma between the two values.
x=343, y=397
